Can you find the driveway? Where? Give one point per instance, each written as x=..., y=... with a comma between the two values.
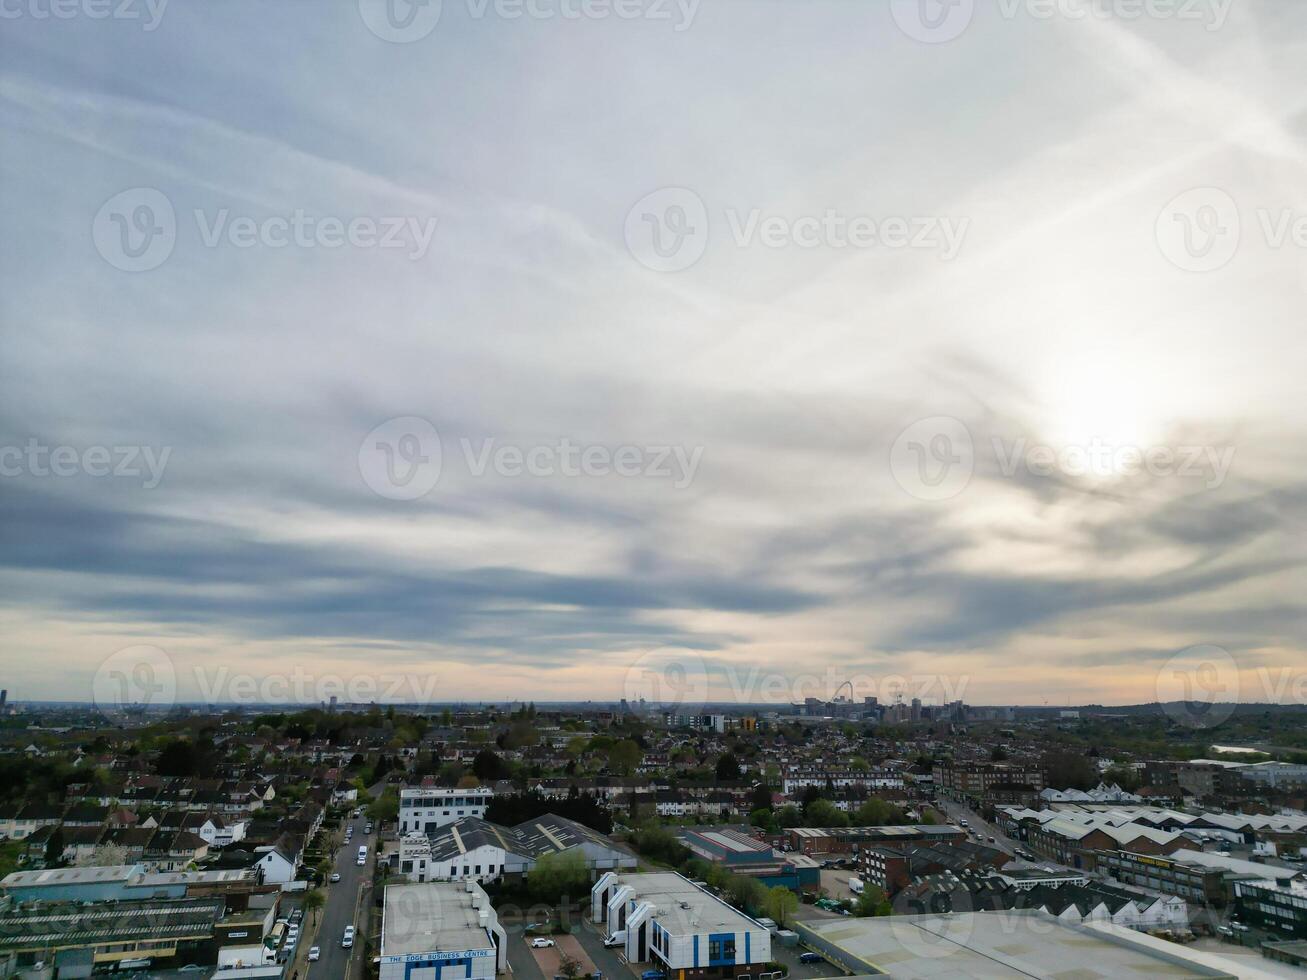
x=520, y=961
x=610, y=962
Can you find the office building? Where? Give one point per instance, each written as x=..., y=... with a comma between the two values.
x=440, y=931
x=685, y=931
x=424, y=810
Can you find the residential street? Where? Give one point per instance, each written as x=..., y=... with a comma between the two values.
x=342, y=901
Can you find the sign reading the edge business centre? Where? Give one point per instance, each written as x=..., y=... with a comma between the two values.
x=436, y=957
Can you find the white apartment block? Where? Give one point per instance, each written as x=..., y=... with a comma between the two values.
x=424, y=810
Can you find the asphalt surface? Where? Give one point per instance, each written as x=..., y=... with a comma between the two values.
x=520, y=960
x=342, y=903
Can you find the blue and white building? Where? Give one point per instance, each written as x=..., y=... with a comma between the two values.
x=672, y=923
x=441, y=931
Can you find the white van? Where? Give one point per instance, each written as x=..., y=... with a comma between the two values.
x=363, y=854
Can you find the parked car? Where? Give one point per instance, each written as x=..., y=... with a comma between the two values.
x=314, y=953
x=540, y=942
x=653, y=975
x=347, y=940
x=811, y=957
x=616, y=939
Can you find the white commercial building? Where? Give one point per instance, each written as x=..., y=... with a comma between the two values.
x=667, y=919
x=424, y=810
x=440, y=931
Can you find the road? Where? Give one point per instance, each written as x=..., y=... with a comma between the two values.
x=957, y=812
x=342, y=902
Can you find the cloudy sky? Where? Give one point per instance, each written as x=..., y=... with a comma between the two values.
x=529, y=352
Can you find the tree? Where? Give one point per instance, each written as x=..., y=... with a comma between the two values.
x=313, y=902
x=728, y=767
x=488, y=766
x=875, y=812
x=781, y=903
x=789, y=816
x=824, y=813
x=760, y=797
x=872, y=902
x=998, y=754
x=559, y=876
x=624, y=756
x=568, y=966
x=385, y=807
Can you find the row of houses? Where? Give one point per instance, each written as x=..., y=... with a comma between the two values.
x=1069, y=903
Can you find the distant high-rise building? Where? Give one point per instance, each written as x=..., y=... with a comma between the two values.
x=331, y=706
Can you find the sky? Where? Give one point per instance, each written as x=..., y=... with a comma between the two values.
x=588, y=349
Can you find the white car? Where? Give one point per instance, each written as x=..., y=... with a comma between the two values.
x=347, y=940
x=540, y=942
x=314, y=953
x=335, y=877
